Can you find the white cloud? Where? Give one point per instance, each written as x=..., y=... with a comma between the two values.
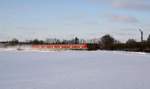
x=123, y=18
x=140, y=5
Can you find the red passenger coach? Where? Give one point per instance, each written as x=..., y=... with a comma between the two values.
x=61, y=46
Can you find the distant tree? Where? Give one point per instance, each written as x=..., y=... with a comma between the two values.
x=76, y=40
x=82, y=41
x=107, y=41
x=64, y=42
x=131, y=41
x=148, y=44
x=36, y=41
x=57, y=41
x=131, y=44
x=14, y=41
x=48, y=40
x=148, y=39
x=117, y=42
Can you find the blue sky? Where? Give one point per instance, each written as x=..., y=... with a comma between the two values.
x=29, y=19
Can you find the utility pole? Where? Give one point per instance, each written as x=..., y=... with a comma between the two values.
x=141, y=35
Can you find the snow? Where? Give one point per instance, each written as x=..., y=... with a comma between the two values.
x=74, y=70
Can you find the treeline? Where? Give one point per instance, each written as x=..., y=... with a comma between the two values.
x=15, y=42
x=106, y=42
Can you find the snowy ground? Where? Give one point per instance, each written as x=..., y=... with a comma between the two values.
x=74, y=70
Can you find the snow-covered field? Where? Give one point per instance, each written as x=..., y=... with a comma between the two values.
x=74, y=70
